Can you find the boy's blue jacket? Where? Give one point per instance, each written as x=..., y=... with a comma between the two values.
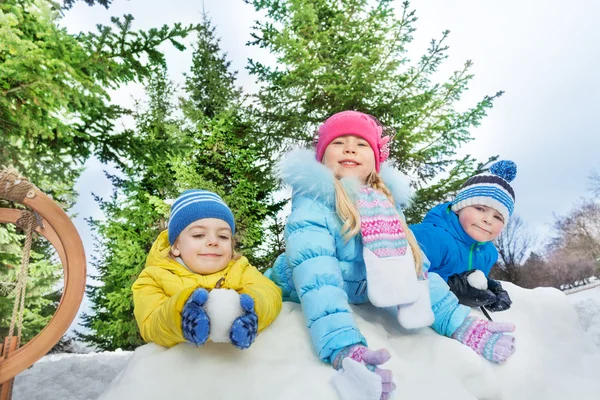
x=324, y=272
x=448, y=247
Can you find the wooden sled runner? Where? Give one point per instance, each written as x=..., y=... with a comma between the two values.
x=49, y=220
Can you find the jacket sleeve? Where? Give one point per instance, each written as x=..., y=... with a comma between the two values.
x=265, y=293
x=432, y=245
x=317, y=277
x=158, y=316
x=279, y=274
x=449, y=314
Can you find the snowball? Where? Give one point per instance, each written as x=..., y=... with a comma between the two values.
x=223, y=307
x=478, y=280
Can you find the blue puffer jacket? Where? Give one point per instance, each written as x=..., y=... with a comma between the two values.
x=323, y=272
x=448, y=247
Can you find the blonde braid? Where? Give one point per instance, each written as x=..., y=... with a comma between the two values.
x=349, y=215
x=347, y=212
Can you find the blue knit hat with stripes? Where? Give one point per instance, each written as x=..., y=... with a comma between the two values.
x=197, y=204
x=490, y=189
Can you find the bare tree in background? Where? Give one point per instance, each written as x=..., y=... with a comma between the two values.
x=567, y=269
x=535, y=272
x=579, y=231
x=595, y=183
x=514, y=244
x=573, y=255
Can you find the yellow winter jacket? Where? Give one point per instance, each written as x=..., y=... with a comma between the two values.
x=163, y=287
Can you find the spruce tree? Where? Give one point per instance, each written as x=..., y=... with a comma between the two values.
x=352, y=54
x=227, y=157
x=55, y=113
x=133, y=217
x=211, y=147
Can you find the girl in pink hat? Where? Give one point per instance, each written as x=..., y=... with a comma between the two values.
x=347, y=243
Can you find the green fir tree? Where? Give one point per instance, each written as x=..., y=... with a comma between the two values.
x=352, y=54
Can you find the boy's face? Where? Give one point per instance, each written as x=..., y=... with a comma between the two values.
x=205, y=246
x=350, y=155
x=481, y=223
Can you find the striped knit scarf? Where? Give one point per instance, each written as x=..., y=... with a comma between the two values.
x=380, y=225
x=391, y=278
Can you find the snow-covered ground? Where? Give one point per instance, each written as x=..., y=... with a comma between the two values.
x=587, y=305
x=557, y=357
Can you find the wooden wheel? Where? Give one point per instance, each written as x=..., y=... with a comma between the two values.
x=60, y=231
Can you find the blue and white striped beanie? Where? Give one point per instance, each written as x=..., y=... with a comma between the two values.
x=195, y=204
x=490, y=189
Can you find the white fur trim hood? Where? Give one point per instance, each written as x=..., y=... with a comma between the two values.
x=300, y=169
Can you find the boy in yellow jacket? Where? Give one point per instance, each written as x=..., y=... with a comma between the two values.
x=174, y=297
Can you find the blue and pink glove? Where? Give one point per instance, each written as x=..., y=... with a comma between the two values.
x=360, y=377
x=195, y=323
x=244, y=328
x=487, y=338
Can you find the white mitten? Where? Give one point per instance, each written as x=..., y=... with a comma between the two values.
x=355, y=382
x=419, y=313
x=391, y=280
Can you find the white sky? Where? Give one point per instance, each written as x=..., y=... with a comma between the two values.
x=543, y=53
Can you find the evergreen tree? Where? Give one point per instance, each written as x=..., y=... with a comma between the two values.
x=67, y=4
x=336, y=55
x=133, y=217
x=227, y=158
x=55, y=112
x=212, y=148
x=42, y=297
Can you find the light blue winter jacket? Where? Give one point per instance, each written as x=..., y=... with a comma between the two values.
x=324, y=272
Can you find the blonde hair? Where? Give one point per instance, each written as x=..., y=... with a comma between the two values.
x=350, y=216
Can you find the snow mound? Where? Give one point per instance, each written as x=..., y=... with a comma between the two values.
x=69, y=376
x=555, y=359
x=589, y=317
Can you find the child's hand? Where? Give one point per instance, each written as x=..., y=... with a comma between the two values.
x=467, y=294
x=360, y=376
x=244, y=328
x=503, y=300
x=487, y=338
x=195, y=323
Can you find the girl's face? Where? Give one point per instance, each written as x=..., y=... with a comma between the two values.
x=482, y=223
x=205, y=246
x=350, y=155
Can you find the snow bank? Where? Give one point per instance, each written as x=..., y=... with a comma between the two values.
x=69, y=376
x=555, y=359
x=587, y=306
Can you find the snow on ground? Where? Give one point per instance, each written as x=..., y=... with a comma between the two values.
x=587, y=306
x=556, y=358
x=69, y=376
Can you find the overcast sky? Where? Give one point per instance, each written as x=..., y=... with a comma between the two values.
x=543, y=53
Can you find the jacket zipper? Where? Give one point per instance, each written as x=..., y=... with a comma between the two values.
x=471, y=256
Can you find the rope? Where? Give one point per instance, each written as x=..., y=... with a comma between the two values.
x=27, y=222
x=15, y=187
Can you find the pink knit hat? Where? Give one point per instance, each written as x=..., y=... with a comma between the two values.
x=354, y=123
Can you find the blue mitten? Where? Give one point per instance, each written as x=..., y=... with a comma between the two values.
x=195, y=323
x=244, y=328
